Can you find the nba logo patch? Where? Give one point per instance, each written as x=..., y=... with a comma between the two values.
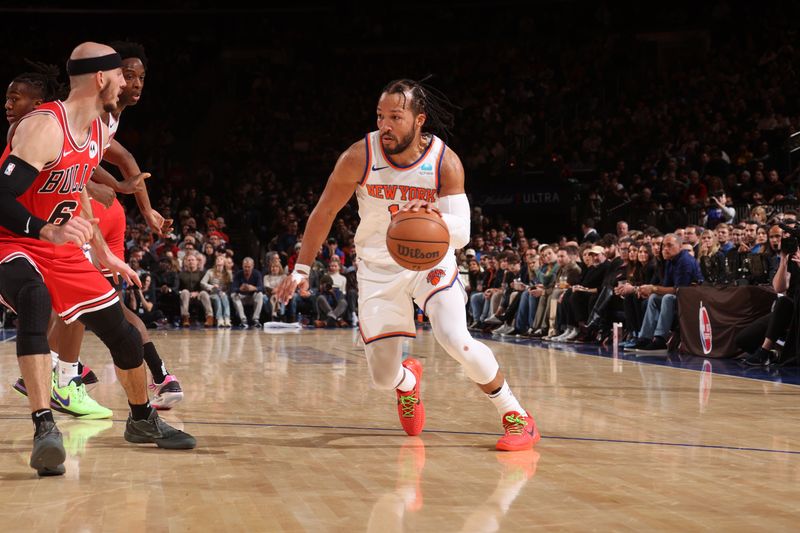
x=9, y=169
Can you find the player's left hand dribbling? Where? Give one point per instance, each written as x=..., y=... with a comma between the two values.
x=415, y=205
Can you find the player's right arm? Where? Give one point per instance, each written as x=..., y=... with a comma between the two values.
x=341, y=185
x=36, y=142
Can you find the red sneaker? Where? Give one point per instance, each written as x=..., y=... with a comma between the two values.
x=409, y=404
x=521, y=433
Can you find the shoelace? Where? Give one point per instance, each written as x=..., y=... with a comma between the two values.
x=515, y=424
x=407, y=404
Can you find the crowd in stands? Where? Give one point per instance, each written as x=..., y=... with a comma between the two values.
x=574, y=290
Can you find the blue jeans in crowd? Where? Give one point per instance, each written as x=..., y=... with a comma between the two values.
x=480, y=306
x=222, y=304
x=526, y=312
x=658, y=317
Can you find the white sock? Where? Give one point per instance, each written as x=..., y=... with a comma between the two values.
x=408, y=382
x=54, y=357
x=505, y=401
x=66, y=372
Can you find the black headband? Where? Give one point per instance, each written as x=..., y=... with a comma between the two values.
x=89, y=65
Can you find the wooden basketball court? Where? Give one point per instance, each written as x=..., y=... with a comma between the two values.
x=291, y=437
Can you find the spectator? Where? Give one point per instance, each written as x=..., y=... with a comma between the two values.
x=681, y=270
x=141, y=300
x=589, y=232
x=248, y=288
x=272, y=279
x=331, y=304
x=217, y=282
x=190, y=290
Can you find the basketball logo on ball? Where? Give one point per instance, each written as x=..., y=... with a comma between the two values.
x=417, y=240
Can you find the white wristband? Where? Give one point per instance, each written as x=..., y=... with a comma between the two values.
x=300, y=273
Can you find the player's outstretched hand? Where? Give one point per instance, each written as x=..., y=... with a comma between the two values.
x=416, y=205
x=76, y=230
x=285, y=289
x=133, y=184
x=118, y=268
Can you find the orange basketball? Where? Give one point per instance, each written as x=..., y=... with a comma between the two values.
x=417, y=241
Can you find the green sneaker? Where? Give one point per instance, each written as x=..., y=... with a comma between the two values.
x=75, y=400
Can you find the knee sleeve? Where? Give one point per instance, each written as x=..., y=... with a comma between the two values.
x=384, y=358
x=33, y=308
x=121, y=338
x=448, y=319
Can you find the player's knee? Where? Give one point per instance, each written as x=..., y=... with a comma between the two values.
x=33, y=306
x=120, y=337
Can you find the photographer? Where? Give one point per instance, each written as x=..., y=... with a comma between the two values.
x=759, y=337
x=331, y=304
x=718, y=211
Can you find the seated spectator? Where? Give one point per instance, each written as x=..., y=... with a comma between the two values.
x=166, y=281
x=681, y=270
x=248, y=288
x=217, y=282
x=190, y=290
x=272, y=279
x=723, y=232
x=331, y=305
x=759, y=338
x=141, y=300
x=331, y=249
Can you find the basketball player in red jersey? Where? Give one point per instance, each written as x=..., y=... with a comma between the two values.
x=51, y=154
x=25, y=93
x=66, y=339
x=404, y=164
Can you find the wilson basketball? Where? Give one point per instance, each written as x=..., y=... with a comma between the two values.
x=417, y=241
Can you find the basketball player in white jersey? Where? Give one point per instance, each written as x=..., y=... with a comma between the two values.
x=404, y=166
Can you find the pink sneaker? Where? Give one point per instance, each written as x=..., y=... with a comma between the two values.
x=166, y=394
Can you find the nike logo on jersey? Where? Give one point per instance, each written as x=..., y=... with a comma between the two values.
x=28, y=226
x=376, y=169
x=66, y=153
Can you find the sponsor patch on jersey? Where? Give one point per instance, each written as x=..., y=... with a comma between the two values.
x=426, y=169
x=92, y=149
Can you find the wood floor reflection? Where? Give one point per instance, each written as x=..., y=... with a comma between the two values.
x=291, y=437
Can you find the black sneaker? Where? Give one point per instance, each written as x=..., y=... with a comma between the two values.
x=48, y=454
x=657, y=346
x=760, y=357
x=155, y=430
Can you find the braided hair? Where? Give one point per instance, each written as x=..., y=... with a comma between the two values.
x=129, y=49
x=43, y=80
x=426, y=99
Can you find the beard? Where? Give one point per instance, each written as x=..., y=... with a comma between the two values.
x=402, y=144
x=109, y=99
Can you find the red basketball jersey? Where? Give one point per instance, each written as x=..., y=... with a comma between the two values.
x=75, y=285
x=55, y=193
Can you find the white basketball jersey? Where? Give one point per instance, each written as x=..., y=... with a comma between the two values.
x=113, y=126
x=386, y=187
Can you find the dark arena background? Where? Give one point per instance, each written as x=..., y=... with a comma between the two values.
x=633, y=176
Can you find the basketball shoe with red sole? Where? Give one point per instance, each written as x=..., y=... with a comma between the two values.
x=520, y=433
x=409, y=404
